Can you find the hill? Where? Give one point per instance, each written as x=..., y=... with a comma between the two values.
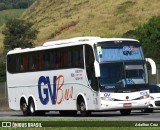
x=57, y=19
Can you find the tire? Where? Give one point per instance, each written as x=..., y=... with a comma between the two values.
x=24, y=108
x=68, y=113
x=125, y=112
x=82, y=108
x=32, y=111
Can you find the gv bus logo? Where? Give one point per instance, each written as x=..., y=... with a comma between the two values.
x=127, y=50
x=54, y=90
x=107, y=95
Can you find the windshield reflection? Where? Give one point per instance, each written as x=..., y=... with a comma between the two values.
x=121, y=75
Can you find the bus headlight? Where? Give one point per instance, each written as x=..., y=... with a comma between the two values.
x=107, y=98
x=144, y=97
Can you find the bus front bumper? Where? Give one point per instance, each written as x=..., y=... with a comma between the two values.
x=117, y=105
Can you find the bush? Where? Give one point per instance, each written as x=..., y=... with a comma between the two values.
x=19, y=33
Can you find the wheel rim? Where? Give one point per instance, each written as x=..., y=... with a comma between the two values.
x=32, y=110
x=82, y=107
x=24, y=107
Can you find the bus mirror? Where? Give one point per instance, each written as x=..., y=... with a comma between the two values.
x=153, y=65
x=97, y=69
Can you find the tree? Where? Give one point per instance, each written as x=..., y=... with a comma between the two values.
x=2, y=6
x=149, y=36
x=19, y=33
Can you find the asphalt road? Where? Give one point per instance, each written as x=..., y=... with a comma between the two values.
x=135, y=116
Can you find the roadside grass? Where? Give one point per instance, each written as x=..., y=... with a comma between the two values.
x=85, y=124
x=85, y=128
x=124, y=6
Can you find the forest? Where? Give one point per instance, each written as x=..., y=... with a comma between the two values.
x=15, y=4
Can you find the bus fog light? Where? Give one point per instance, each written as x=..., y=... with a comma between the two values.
x=146, y=96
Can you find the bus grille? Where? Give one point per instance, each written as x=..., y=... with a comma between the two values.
x=157, y=103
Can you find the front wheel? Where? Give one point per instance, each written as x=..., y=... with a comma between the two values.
x=125, y=112
x=83, y=110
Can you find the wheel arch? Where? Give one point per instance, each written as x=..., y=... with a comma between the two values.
x=79, y=97
x=23, y=98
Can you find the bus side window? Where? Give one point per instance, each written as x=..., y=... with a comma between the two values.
x=41, y=61
x=38, y=61
x=65, y=58
x=11, y=63
x=25, y=63
x=70, y=60
x=75, y=58
x=89, y=57
x=32, y=62
x=81, y=63
x=52, y=60
x=58, y=59
x=46, y=60
x=18, y=63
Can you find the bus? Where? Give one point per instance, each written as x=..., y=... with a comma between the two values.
x=81, y=74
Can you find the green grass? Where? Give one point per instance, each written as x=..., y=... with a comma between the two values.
x=8, y=14
x=124, y=6
x=84, y=124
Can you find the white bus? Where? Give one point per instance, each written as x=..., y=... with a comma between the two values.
x=83, y=74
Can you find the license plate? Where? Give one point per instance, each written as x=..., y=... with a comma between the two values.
x=127, y=104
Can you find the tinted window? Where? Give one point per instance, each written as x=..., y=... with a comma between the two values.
x=154, y=89
x=61, y=58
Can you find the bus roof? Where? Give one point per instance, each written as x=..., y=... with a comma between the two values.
x=69, y=42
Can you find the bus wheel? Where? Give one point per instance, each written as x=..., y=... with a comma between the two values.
x=125, y=112
x=82, y=108
x=32, y=108
x=24, y=108
x=68, y=113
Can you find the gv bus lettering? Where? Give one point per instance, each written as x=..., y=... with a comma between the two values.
x=53, y=91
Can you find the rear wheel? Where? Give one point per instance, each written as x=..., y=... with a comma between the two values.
x=24, y=108
x=125, y=112
x=32, y=111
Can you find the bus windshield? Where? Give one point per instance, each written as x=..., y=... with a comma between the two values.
x=122, y=76
x=122, y=66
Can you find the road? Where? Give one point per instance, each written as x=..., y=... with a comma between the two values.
x=135, y=116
